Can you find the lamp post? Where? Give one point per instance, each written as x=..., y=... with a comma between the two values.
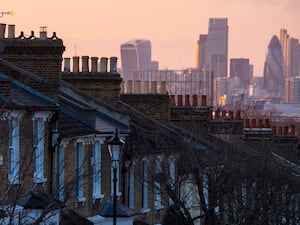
x=115, y=146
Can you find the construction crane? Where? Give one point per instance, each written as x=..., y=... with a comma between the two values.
x=6, y=13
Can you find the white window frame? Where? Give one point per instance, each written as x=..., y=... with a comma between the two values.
x=79, y=171
x=38, y=150
x=60, y=171
x=157, y=184
x=38, y=141
x=131, y=186
x=96, y=165
x=14, y=151
x=145, y=191
x=172, y=172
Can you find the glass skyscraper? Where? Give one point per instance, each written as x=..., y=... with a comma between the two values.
x=274, y=69
x=216, y=58
x=135, y=55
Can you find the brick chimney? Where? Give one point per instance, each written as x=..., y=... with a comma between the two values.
x=41, y=57
x=104, y=85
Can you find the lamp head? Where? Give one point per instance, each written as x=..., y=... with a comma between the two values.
x=115, y=146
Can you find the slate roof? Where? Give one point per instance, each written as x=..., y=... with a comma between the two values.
x=100, y=116
x=39, y=200
x=70, y=217
x=122, y=210
x=23, y=96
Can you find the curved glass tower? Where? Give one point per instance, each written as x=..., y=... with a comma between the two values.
x=274, y=69
x=135, y=55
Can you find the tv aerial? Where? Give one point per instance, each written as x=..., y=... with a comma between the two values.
x=6, y=13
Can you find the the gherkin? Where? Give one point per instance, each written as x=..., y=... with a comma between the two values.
x=274, y=69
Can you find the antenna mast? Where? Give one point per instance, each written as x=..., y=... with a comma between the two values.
x=6, y=13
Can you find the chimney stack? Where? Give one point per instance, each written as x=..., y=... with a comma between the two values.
x=2, y=30
x=67, y=63
x=11, y=31
x=43, y=32
x=75, y=64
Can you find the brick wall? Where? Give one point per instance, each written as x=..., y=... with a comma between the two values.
x=103, y=86
x=40, y=57
x=26, y=159
x=155, y=105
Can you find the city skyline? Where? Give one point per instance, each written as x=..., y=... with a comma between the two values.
x=97, y=28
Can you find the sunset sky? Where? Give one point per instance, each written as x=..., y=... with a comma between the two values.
x=98, y=28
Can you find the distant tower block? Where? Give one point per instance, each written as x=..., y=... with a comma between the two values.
x=135, y=55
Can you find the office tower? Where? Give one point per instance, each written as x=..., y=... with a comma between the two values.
x=240, y=67
x=294, y=57
x=292, y=89
x=220, y=91
x=135, y=55
x=291, y=54
x=201, y=51
x=216, y=58
x=154, y=65
x=274, y=69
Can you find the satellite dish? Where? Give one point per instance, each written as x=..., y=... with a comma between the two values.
x=1, y=47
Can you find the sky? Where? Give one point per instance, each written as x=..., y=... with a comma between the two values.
x=98, y=27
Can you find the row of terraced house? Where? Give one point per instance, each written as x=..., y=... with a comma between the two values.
x=54, y=163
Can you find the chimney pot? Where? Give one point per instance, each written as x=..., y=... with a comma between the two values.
x=195, y=100
x=293, y=129
x=153, y=87
x=11, y=31
x=187, y=100
x=43, y=32
x=85, y=64
x=113, y=64
x=75, y=64
x=247, y=123
x=203, y=100
x=2, y=30
x=274, y=130
x=163, y=87
x=67, y=63
x=172, y=100
x=179, y=100
x=94, y=66
x=103, y=64
x=280, y=130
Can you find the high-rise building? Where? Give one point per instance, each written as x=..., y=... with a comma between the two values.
x=291, y=54
x=135, y=55
x=294, y=57
x=201, y=51
x=292, y=89
x=216, y=57
x=274, y=69
x=240, y=67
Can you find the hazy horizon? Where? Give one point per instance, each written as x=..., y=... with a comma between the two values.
x=98, y=28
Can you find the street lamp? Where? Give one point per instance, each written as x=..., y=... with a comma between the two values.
x=115, y=146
